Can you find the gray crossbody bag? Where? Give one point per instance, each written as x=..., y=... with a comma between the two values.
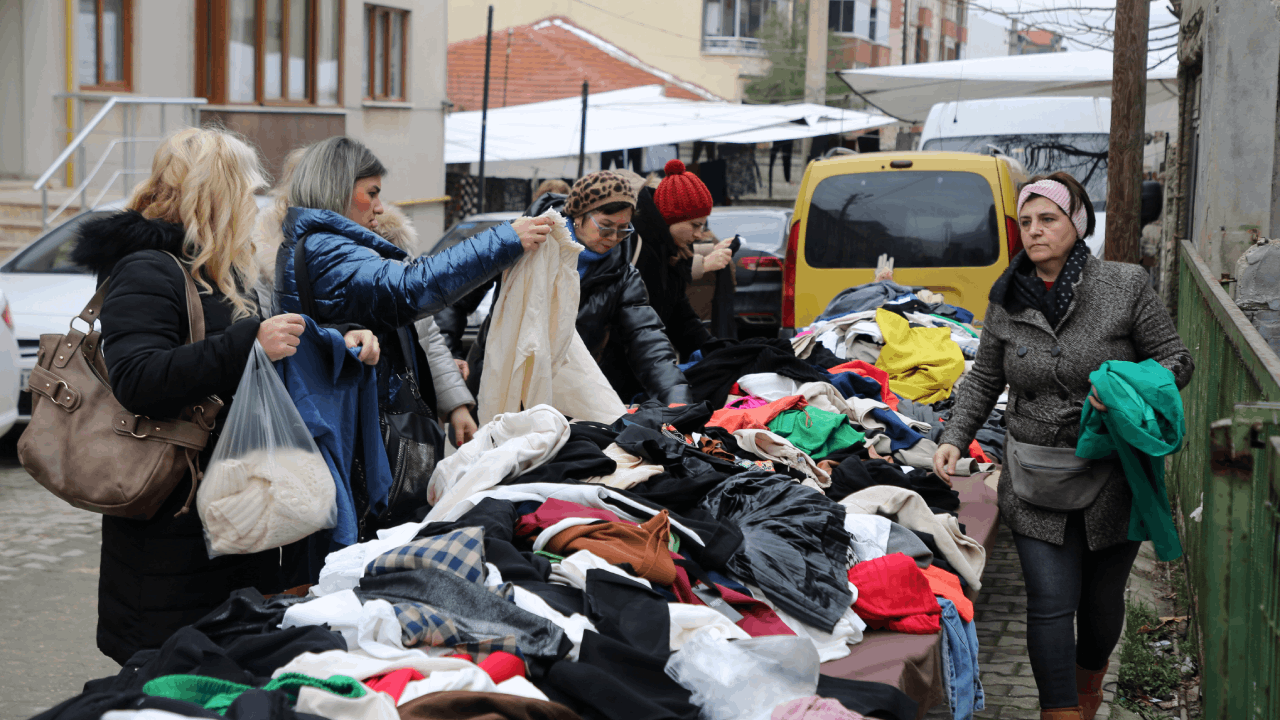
x=1054, y=478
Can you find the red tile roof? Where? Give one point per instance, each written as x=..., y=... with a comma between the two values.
x=1036, y=37
x=549, y=60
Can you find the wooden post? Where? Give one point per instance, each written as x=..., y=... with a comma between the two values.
x=1128, y=129
x=582, y=138
x=484, y=104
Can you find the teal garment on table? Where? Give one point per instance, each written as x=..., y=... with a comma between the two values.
x=1143, y=422
x=817, y=432
x=218, y=695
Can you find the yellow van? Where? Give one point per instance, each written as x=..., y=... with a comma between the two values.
x=946, y=218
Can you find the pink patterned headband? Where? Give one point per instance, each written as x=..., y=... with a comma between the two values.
x=1058, y=193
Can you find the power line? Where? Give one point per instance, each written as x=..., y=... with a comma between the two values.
x=636, y=22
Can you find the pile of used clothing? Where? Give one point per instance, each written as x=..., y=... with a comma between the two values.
x=576, y=569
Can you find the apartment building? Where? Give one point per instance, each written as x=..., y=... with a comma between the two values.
x=282, y=72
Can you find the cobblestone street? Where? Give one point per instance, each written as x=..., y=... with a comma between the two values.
x=1001, y=613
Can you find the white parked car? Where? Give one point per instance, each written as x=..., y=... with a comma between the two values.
x=10, y=372
x=46, y=290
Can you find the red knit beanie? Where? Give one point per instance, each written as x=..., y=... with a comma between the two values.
x=681, y=195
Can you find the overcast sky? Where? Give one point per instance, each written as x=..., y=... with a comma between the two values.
x=1067, y=12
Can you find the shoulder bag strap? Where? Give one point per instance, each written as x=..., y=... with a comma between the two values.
x=302, y=280
x=195, y=309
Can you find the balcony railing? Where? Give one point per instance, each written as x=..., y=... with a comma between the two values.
x=724, y=45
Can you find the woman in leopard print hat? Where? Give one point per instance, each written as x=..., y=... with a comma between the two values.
x=615, y=320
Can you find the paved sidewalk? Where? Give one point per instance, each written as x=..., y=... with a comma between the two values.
x=1001, y=614
x=48, y=596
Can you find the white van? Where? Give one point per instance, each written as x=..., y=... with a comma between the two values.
x=1045, y=134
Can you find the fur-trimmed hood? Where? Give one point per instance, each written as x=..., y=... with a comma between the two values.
x=393, y=225
x=104, y=241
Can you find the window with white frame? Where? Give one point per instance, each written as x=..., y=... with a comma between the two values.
x=733, y=25
x=851, y=17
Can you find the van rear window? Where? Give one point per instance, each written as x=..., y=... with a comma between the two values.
x=920, y=218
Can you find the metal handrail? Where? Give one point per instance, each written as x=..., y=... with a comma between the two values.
x=83, y=187
x=98, y=118
x=78, y=143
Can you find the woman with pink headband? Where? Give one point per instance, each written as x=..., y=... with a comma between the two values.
x=1054, y=317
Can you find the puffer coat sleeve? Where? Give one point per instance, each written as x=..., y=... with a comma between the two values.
x=144, y=329
x=360, y=278
x=451, y=389
x=649, y=351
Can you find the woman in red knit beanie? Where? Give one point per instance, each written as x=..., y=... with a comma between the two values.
x=669, y=220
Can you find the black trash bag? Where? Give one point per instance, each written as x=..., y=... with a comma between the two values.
x=794, y=544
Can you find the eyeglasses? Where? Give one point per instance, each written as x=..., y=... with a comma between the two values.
x=622, y=232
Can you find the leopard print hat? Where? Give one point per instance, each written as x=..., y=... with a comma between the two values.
x=595, y=190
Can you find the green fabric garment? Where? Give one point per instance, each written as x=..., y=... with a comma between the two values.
x=818, y=433
x=217, y=695
x=1143, y=422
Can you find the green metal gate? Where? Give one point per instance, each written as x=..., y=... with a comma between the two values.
x=1231, y=468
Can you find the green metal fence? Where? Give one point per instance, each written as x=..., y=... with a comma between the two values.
x=1231, y=467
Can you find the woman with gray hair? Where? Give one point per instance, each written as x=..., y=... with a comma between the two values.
x=333, y=265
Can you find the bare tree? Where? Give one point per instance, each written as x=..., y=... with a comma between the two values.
x=1092, y=26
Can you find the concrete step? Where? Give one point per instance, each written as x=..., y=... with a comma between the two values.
x=21, y=212
x=15, y=234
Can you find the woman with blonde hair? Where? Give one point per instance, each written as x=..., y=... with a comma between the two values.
x=198, y=207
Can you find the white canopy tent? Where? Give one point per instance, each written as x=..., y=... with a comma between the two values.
x=529, y=135
x=908, y=91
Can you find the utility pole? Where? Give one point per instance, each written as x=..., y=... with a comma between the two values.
x=906, y=25
x=1128, y=130
x=484, y=106
x=582, y=141
x=815, y=65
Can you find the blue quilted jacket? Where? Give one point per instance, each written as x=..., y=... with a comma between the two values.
x=359, y=277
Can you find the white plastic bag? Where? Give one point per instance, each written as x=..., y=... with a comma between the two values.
x=267, y=485
x=745, y=679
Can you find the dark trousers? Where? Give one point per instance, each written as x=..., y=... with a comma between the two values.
x=1071, y=587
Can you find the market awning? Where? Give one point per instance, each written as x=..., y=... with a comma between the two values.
x=908, y=91
x=821, y=121
x=637, y=117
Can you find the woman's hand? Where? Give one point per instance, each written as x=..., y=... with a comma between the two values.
x=1095, y=402
x=719, y=259
x=463, y=369
x=368, y=344
x=944, y=462
x=464, y=427
x=533, y=231
x=279, y=335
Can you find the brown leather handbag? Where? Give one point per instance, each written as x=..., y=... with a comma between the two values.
x=85, y=447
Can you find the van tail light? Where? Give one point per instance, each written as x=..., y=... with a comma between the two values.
x=1014, y=234
x=8, y=317
x=789, y=277
x=760, y=262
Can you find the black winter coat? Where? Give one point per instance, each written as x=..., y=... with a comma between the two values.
x=666, y=282
x=618, y=326
x=156, y=575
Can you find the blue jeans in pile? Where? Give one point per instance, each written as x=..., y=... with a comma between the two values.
x=960, y=663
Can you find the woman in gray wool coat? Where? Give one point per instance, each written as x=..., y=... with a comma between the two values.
x=1054, y=317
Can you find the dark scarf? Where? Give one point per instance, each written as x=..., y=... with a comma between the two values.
x=1020, y=288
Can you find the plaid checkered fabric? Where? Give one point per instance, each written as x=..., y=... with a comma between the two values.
x=460, y=552
x=422, y=624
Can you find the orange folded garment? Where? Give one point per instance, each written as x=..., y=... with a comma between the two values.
x=644, y=547
x=755, y=418
x=948, y=586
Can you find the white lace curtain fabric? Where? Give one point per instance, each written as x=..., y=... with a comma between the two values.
x=534, y=354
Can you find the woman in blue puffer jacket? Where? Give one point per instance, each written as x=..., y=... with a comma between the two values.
x=354, y=275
